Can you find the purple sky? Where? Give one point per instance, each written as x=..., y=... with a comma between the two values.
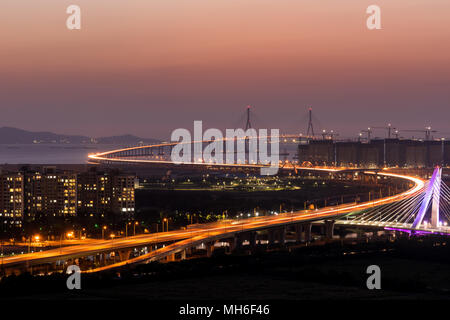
x=148, y=67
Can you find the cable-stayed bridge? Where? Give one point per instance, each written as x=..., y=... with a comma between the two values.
x=422, y=208
x=403, y=212
x=426, y=211
x=102, y=253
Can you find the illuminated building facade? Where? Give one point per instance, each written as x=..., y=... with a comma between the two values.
x=100, y=193
x=49, y=192
x=11, y=199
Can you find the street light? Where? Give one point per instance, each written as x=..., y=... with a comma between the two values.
x=134, y=228
x=103, y=231
x=81, y=231
x=112, y=235
x=36, y=239
x=126, y=228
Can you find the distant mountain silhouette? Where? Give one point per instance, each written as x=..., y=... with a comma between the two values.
x=9, y=135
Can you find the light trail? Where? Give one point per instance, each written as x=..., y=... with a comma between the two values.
x=209, y=234
x=103, y=156
x=215, y=229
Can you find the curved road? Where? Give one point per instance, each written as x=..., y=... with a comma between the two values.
x=206, y=232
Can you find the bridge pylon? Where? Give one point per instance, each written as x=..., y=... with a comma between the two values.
x=436, y=200
x=432, y=195
x=310, y=131
x=248, y=125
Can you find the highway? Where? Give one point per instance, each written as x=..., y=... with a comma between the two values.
x=224, y=229
x=209, y=231
x=133, y=155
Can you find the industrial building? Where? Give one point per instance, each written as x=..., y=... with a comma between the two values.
x=376, y=153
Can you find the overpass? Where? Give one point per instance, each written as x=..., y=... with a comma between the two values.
x=394, y=212
x=231, y=230
x=159, y=155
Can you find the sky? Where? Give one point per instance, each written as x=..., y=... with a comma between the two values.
x=149, y=67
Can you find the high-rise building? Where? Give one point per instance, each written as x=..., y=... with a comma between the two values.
x=105, y=192
x=11, y=199
x=51, y=193
x=123, y=195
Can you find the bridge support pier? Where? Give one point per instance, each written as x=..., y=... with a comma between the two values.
x=329, y=229
x=252, y=238
x=183, y=254
x=124, y=254
x=282, y=235
x=170, y=257
x=270, y=236
x=100, y=259
x=307, y=230
x=298, y=232
x=209, y=249
x=232, y=244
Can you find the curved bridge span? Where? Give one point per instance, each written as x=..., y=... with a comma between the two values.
x=180, y=240
x=160, y=155
x=208, y=233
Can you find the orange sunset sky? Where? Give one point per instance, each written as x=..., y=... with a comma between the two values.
x=148, y=67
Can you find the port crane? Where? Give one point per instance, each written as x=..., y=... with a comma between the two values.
x=329, y=135
x=368, y=132
x=427, y=132
x=389, y=129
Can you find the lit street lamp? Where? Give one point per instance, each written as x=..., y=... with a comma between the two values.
x=112, y=235
x=134, y=228
x=81, y=231
x=126, y=228
x=103, y=231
